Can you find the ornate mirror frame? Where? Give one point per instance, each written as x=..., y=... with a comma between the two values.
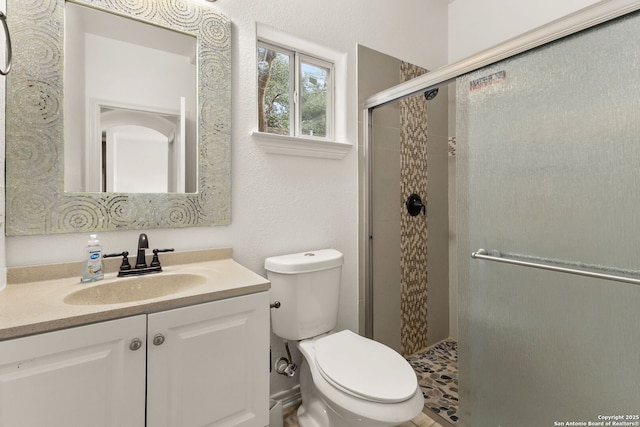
x=35, y=196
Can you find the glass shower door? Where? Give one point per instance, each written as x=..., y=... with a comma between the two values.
x=549, y=171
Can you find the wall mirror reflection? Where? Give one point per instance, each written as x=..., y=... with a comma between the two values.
x=96, y=142
x=122, y=134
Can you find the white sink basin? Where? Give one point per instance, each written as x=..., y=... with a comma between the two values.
x=135, y=289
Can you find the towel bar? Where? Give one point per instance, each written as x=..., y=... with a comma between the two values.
x=498, y=257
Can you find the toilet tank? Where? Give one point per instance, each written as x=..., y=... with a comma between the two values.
x=307, y=285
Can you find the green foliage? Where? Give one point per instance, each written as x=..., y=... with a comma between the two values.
x=314, y=102
x=275, y=89
x=277, y=101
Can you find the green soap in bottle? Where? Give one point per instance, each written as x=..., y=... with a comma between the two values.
x=92, y=268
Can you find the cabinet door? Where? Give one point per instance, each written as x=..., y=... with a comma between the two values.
x=78, y=377
x=213, y=367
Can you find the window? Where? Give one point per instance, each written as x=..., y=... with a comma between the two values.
x=302, y=96
x=295, y=93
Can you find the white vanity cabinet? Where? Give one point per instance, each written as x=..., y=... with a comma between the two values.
x=78, y=377
x=206, y=364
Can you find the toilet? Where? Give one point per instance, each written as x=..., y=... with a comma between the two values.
x=345, y=379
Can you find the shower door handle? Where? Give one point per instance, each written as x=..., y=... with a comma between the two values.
x=415, y=205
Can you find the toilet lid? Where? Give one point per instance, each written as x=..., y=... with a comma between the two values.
x=365, y=368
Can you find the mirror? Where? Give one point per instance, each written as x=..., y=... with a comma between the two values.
x=137, y=151
x=157, y=152
x=105, y=163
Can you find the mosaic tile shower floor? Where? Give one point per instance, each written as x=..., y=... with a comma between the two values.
x=437, y=370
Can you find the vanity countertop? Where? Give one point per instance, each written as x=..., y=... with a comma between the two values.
x=30, y=307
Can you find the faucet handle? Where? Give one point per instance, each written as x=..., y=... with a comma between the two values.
x=155, y=262
x=125, y=260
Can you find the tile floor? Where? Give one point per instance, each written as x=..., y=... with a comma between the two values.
x=437, y=370
x=422, y=420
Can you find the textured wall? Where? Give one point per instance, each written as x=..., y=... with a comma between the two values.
x=478, y=25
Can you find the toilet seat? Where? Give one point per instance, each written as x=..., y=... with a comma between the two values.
x=364, y=368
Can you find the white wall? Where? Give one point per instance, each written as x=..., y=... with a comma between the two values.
x=478, y=25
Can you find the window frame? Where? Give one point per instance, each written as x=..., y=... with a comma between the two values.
x=297, y=58
x=338, y=147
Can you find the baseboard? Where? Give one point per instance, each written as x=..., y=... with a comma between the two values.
x=436, y=417
x=288, y=397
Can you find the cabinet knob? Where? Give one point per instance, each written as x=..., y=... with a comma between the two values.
x=135, y=344
x=158, y=339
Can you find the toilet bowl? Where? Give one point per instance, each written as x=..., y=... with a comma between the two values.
x=345, y=379
x=348, y=380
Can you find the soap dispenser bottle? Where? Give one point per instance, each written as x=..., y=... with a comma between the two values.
x=92, y=269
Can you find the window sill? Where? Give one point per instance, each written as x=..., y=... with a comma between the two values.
x=297, y=146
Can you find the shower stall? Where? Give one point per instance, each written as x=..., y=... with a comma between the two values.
x=410, y=236
x=548, y=195
x=408, y=134
x=410, y=223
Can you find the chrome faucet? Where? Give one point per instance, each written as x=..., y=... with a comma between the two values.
x=141, y=266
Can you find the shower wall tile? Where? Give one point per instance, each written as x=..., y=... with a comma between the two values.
x=386, y=296
x=413, y=246
x=386, y=223
x=386, y=183
x=438, y=243
x=452, y=145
